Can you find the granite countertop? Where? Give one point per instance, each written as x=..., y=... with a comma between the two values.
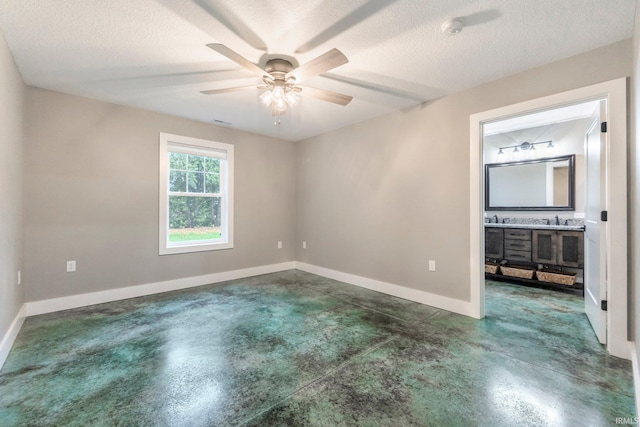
x=536, y=226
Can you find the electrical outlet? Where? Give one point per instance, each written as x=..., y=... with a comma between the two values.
x=279, y=245
x=71, y=266
x=19, y=277
x=432, y=265
x=304, y=245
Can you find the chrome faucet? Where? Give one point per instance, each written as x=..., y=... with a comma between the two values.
x=557, y=220
x=496, y=218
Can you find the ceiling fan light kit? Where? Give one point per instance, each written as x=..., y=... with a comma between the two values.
x=279, y=99
x=280, y=91
x=280, y=78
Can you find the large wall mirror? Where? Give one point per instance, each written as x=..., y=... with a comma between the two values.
x=531, y=185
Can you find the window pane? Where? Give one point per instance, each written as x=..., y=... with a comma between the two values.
x=194, y=218
x=196, y=182
x=177, y=181
x=177, y=161
x=212, y=183
x=212, y=165
x=196, y=163
x=192, y=171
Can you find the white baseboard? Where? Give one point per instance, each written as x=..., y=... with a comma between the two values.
x=34, y=308
x=437, y=301
x=12, y=333
x=636, y=373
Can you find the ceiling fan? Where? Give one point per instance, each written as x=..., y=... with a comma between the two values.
x=282, y=80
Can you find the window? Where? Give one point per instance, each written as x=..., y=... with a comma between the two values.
x=196, y=195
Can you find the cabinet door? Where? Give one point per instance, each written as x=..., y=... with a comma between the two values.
x=571, y=248
x=545, y=246
x=493, y=243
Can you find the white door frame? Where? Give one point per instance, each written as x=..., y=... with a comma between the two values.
x=615, y=91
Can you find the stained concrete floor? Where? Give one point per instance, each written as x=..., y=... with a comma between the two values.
x=293, y=348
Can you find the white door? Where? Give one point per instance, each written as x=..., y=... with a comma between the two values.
x=595, y=271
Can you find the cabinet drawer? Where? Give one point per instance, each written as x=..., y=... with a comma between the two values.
x=516, y=234
x=519, y=245
x=515, y=255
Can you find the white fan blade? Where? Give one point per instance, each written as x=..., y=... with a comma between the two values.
x=239, y=59
x=230, y=89
x=325, y=95
x=323, y=63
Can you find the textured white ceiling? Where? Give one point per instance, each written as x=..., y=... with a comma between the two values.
x=151, y=53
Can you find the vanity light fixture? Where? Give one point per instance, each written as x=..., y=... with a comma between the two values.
x=526, y=146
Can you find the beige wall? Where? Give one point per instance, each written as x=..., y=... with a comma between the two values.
x=380, y=198
x=91, y=195
x=11, y=227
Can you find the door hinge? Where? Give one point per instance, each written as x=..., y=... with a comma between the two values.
x=603, y=305
x=603, y=216
x=603, y=127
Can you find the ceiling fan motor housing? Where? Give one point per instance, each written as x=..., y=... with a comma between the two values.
x=278, y=68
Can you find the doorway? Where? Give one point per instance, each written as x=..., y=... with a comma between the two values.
x=614, y=247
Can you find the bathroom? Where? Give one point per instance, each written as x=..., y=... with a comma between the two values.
x=535, y=196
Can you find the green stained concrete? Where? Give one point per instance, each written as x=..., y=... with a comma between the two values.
x=293, y=348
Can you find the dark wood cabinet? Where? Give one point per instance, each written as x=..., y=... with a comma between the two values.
x=494, y=243
x=545, y=246
x=550, y=247
x=563, y=248
x=553, y=249
x=570, y=248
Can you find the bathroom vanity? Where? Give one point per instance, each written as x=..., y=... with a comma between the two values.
x=555, y=247
x=545, y=251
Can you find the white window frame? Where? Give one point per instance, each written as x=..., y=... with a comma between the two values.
x=189, y=145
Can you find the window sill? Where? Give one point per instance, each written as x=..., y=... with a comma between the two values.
x=183, y=249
